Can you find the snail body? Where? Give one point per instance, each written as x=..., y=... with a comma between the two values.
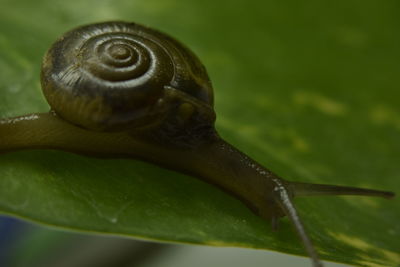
x=120, y=89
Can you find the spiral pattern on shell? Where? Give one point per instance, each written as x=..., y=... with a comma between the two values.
x=110, y=75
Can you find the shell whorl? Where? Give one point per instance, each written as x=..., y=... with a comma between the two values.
x=111, y=75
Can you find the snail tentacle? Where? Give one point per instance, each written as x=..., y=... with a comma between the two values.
x=285, y=202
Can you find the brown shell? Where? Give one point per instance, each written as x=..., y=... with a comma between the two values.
x=111, y=75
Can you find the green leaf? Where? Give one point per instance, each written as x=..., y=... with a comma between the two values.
x=309, y=89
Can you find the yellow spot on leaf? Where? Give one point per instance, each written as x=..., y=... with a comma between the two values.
x=320, y=102
x=367, y=249
x=371, y=203
x=382, y=115
x=353, y=241
x=369, y=264
x=219, y=243
x=299, y=143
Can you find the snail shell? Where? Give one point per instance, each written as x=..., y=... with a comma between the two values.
x=114, y=75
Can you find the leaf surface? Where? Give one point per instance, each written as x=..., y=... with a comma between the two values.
x=308, y=89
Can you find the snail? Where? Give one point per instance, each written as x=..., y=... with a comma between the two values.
x=119, y=89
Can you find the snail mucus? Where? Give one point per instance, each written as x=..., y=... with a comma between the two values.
x=120, y=89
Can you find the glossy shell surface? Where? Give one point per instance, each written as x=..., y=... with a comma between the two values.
x=111, y=75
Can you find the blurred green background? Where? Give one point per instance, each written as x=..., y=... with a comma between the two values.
x=309, y=89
